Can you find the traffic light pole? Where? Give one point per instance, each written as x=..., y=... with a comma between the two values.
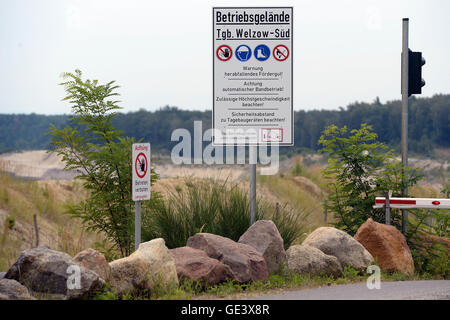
x=405, y=65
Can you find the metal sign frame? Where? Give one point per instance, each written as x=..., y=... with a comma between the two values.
x=246, y=142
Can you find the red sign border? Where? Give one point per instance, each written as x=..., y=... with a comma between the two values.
x=282, y=136
x=280, y=45
x=217, y=52
x=146, y=165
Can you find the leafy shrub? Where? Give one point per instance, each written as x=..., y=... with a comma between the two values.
x=359, y=169
x=101, y=156
x=430, y=254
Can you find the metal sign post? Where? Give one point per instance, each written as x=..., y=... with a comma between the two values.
x=137, y=224
x=387, y=209
x=141, y=186
x=252, y=160
x=405, y=64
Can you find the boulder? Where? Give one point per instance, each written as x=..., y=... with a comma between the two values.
x=310, y=260
x=94, y=261
x=13, y=290
x=162, y=264
x=52, y=272
x=149, y=266
x=263, y=235
x=2, y=275
x=246, y=263
x=347, y=250
x=130, y=274
x=387, y=245
x=195, y=264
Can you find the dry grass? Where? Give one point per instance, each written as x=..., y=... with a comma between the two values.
x=301, y=187
x=20, y=200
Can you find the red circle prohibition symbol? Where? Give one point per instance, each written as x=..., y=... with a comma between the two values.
x=280, y=52
x=138, y=164
x=224, y=53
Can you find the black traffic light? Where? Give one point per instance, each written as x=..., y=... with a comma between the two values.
x=415, y=81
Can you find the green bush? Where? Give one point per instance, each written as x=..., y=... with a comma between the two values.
x=430, y=255
x=359, y=169
x=218, y=207
x=90, y=145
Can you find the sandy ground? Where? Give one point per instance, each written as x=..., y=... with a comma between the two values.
x=35, y=165
x=40, y=165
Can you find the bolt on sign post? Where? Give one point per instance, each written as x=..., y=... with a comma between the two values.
x=141, y=185
x=252, y=80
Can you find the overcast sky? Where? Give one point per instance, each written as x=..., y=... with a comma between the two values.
x=160, y=52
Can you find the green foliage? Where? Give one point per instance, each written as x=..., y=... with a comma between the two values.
x=199, y=206
x=359, y=169
x=428, y=125
x=431, y=258
x=350, y=273
x=101, y=156
x=212, y=206
x=189, y=289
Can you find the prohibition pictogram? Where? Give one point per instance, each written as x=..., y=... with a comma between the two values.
x=280, y=52
x=141, y=165
x=224, y=52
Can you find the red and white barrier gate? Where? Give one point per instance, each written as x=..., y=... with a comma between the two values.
x=413, y=203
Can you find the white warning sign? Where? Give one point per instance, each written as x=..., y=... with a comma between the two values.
x=141, y=171
x=252, y=76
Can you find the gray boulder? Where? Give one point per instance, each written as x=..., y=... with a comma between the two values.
x=310, y=260
x=337, y=243
x=264, y=236
x=2, y=275
x=52, y=272
x=246, y=262
x=13, y=290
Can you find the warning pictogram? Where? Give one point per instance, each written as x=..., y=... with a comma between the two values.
x=224, y=53
x=141, y=165
x=262, y=52
x=243, y=53
x=280, y=52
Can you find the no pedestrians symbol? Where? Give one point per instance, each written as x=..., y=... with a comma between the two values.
x=141, y=165
x=224, y=52
x=280, y=52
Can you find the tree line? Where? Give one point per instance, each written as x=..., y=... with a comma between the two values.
x=429, y=125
